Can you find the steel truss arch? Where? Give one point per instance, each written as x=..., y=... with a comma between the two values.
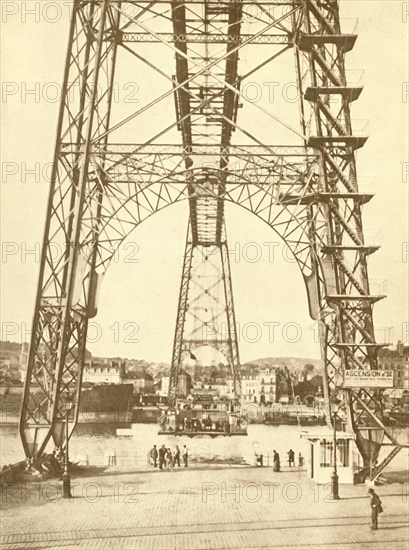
x=96, y=252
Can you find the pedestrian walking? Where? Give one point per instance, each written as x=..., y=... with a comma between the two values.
x=169, y=459
x=185, y=456
x=176, y=456
x=154, y=456
x=291, y=458
x=162, y=452
x=276, y=461
x=376, y=508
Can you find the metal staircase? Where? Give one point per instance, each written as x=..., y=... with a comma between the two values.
x=374, y=475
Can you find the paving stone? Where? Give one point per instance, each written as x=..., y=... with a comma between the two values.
x=241, y=508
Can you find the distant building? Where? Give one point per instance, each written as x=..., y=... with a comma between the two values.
x=4, y=369
x=220, y=386
x=184, y=385
x=142, y=382
x=303, y=376
x=164, y=389
x=250, y=386
x=107, y=372
x=157, y=386
x=113, y=371
x=396, y=360
x=268, y=385
x=10, y=371
x=257, y=385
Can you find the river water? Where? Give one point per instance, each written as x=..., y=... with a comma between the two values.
x=96, y=442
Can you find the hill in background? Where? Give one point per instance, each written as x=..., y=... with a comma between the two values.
x=11, y=351
x=293, y=363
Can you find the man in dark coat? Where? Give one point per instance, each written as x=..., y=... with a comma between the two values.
x=162, y=453
x=375, y=507
x=291, y=458
x=154, y=455
x=185, y=456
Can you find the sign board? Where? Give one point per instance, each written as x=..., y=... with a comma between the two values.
x=357, y=378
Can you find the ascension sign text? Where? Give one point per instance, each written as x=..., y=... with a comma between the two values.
x=357, y=378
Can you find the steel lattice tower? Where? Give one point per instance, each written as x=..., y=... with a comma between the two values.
x=103, y=186
x=206, y=311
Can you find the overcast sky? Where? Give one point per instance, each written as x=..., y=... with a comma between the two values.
x=139, y=299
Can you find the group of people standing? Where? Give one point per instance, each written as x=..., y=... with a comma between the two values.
x=206, y=424
x=165, y=458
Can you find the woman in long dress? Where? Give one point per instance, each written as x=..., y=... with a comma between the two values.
x=276, y=461
x=169, y=459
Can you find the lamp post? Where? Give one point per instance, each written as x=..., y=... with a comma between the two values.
x=334, y=475
x=66, y=478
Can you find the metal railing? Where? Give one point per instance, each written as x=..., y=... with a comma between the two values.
x=124, y=459
x=352, y=77
x=347, y=25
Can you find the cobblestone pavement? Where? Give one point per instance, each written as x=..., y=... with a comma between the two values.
x=240, y=508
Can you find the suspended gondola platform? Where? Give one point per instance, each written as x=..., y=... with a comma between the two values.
x=198, y=421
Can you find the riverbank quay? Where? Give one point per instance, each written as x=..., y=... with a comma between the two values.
x=194, y=509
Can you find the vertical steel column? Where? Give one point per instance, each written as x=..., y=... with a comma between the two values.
x=60, y=321
x=341, y=269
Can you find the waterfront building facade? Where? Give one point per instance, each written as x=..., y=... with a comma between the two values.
x=257, y=385
x=396, y=360
x=103, y=372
